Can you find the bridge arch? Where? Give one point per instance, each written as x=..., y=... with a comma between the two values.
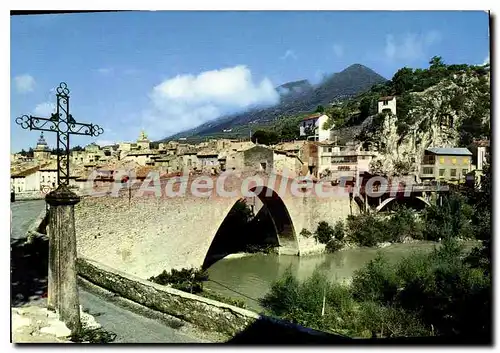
x=273, y=213
x=387, y=203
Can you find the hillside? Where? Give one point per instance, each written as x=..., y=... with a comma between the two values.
x=442, y=106
x=297, y=97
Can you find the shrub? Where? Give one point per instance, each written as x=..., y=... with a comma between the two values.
x=389, y=321
x=376, y=281
x=305, y=233
x=283, y=295
x=366, y=229
x=403, y=224
x=187, y=279
x=324, y=232
x=451, y=219
x=334, y=245
x=339, y=231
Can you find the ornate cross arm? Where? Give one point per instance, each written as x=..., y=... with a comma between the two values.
x=36, y=123
x=85, y=129
x=51, y=124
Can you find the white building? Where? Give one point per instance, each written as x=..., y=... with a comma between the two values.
x=387, y=103
x=26, y=180
x=335, y=162
x=313, y=125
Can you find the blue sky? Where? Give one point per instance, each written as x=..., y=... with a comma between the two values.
x=169, y=71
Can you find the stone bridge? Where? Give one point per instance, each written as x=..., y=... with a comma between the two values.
x=146, y=232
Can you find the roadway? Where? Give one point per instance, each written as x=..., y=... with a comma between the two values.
x=130, y=323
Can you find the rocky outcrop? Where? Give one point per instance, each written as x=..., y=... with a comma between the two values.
x=436, y=118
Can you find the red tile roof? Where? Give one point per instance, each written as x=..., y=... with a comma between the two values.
x=388, y=98
x=314, y=116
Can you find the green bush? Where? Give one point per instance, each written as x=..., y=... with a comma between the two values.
x=389, y=321
x=366, y=229
x=437, y=293
x=403, y=224
x=339, y=231
x=187, y=279
x=376, y=281
x=305, y=233
x=451, y=219
x=334, y=245
x=324, y=232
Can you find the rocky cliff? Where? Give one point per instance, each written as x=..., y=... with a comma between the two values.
x=451, y=113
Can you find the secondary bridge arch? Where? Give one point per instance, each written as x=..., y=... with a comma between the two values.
x=416, y=202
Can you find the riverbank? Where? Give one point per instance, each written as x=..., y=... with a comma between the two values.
x=249, y=278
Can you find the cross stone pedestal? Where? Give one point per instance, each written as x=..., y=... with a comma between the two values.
x=62, y=286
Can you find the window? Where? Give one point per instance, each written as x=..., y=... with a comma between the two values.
x=344, y=168
x=441, y=160
x=385, y=103
x=454, y=160
x=466, y=161
x=327, y=149
x=464, y=171
x=43, y=179
x=428, y=170
x=263, y=166
x=441, y=172
x=453, y=172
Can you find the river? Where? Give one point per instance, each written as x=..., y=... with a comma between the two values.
x=249, y=278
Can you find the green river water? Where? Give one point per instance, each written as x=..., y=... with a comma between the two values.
x=249, y=277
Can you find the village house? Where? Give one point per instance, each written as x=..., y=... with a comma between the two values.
x=287, y=161
x=313, y=125
x=386, y=104
x=26, y=180
x=255, y=158
x=334, y=162
x=208, y=160
x=141, y=157
x=188, y=161
x=446, y=164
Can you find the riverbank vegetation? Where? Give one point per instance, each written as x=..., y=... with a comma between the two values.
x=443, y=293
x=454, y=218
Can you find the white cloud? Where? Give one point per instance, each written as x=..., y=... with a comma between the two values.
x=43, y=110
x=338, y=49
x=486, y=60
x=187, y=101
x=24, y=83
x=289, y=54
x=411, y=46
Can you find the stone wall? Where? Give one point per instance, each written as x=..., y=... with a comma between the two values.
x=205, y=313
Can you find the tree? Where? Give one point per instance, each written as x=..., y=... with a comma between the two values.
x=436, y=62
x=402, y=80
x=320, y=109
x=265, y=137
